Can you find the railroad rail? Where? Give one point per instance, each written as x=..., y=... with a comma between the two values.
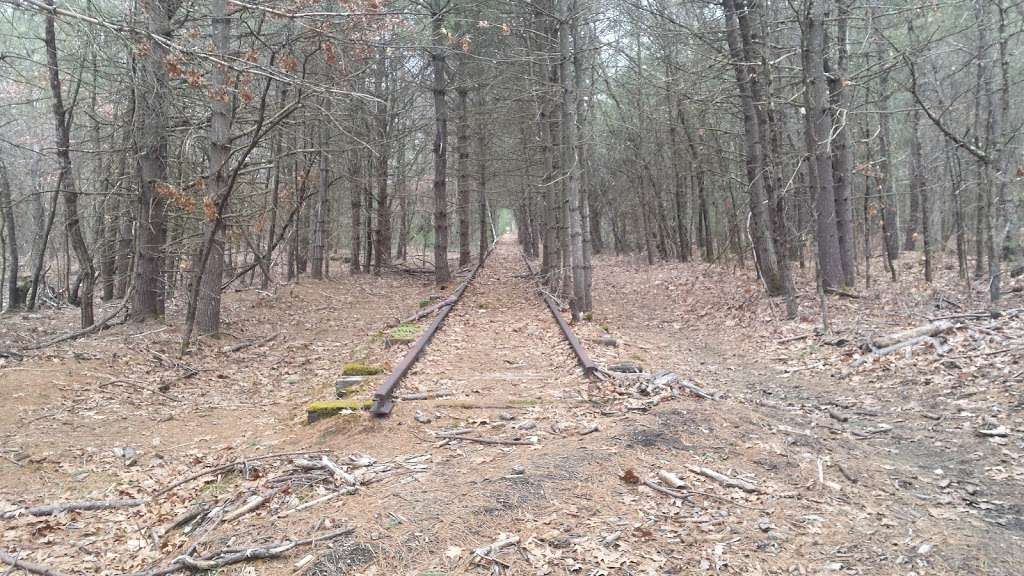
x=590, y=369
x=383, y=398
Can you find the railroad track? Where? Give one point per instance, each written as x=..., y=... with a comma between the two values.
x=383, y=397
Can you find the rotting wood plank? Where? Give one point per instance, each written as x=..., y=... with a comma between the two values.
x=383, y=400
x=589, y=368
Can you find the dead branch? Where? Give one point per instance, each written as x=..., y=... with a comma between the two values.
x=425, y=395
x=931, y=329
x=424, y=313
x=659, y=488
x=249, y=343
x=100, y=325
x=28, y=566
x=843, y=293
x=228, y=557
x=251, y=505
x=52, y=509
x=232, y=465
x=895, y=347
x=529, y=442
x=337, y=472
x=697, y=390
x=306, y=505
x=726, y=481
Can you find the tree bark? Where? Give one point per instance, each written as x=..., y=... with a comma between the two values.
x=462, y=172
x=218, y=178
x=382, y=234
x=356, y=207
x=818, y=128
x=151, y=161
x=570, y=161
x=442, y=275
x=742, y=51
x=481, y=163
x=68, y=187
x=316, y=253
x=842, y=156
x=13, y=297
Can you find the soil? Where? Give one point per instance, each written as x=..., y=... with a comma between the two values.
x=876, y=471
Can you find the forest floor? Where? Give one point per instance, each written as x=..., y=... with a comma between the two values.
x=910, y=464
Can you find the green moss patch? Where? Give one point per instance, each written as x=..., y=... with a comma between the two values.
x=360, y=369
x=404, y=333
x=326, y=408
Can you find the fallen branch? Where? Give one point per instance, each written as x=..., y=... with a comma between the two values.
x=253, y=504
x=931, y=329
x=222, y=558
x=659, y=488
x=530, y=442
x=697, y=390
x=84, y=331
x=248, y=344
x=226, y=467
x=843, y=293
x=338, y=473
x=427, y=311
x=726, y=481
x=52, y=509
x=425, y=395
x=305, y=506
x=671, y=479
x=896, y=347
x=28, y=566
x=495, y=547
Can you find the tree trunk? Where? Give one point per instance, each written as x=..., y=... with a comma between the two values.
x=68, y=187
x=316, y=254
x=218, y=179
x=382, y=250
x=356, y=209
x=742, y=51
x=566, y=20
x=918, y=189
x=440, y=151
x=462, y=171
x=13, y=297
x=151, y=162
x=818, y=128
x=887, y=193
x=481, y=163
x=842, y=155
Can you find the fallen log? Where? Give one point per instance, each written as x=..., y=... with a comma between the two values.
x=931, y=329
x=895, y=347
x=53, y=509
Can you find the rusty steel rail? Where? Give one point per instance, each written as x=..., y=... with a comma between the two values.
x=590, y=369
x=383, y=398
